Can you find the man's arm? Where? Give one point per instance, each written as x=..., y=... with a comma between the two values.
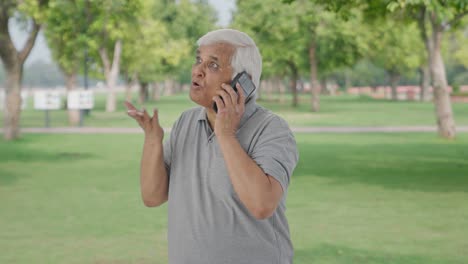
x=259, y=192
x=153, y=176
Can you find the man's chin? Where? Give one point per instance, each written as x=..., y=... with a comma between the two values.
x=199, y=101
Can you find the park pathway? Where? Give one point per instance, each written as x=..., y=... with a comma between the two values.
x=136, y=130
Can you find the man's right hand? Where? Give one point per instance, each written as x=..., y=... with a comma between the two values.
x=150, y=125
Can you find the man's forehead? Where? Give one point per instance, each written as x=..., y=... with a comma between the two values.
x=216, y=50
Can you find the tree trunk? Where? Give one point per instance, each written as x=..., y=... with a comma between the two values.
x=323, y=86
x=425, y=68
x=73, y=114
x=156, y=91
x=168, y=87
x=282, y=91
x=276, y=87
x=128, y=91
x=443, y=105
x=293, y=82
x=424, y=82
x=177, y=86
x=347, y=79
x=11, y=116
x=269, y=89
x=144, y=93
x=111, y=72
x=13, y=61
x=130, y=83
x=314, y=83
x=263, y=87
x=394, y=80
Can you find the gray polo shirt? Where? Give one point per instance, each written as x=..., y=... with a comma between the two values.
x=208, y=224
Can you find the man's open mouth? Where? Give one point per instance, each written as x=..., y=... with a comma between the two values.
x=195, y=84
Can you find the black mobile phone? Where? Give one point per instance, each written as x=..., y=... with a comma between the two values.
x=245, y=82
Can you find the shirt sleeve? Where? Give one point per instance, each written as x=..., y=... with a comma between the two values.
x=168, y=147
x=276, y=151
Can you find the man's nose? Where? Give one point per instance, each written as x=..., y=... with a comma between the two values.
x=198, y=70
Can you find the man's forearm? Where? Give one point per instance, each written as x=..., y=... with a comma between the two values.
x=153, y=175
x=251, y=184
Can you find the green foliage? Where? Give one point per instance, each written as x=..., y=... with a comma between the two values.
x=365, y=73
x=66, y=33
x=34, y=9
x=443, y=11
x=162, y=44
x=396, y=47
x=284, y=33
x=275, y=29
x=186, y=22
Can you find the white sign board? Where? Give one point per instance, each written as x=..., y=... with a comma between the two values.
x=83, y=99
x=24, y=100
x=47, y=100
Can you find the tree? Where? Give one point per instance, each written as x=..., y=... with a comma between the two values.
x=109, y=23
x=186, y=21
x=32, y=12
x=150, y=50
x=302, y=36
x=434, y=17
x=396, y=48
x=275, y=29
x=65, y=33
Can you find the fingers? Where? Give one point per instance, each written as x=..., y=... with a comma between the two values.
x=155, y=118
x=138, y=116
x=240, y=91
x=231, y=92
x=146, y=117
x=129, y=105
x=147, y=120
x=219, y=103
x=134, y=113
x=228, y=95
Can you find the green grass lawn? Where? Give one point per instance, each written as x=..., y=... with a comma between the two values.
x=342, y=110
x=354, y=198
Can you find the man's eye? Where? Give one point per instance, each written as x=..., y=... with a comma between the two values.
x=197, y=60
x=213, y=66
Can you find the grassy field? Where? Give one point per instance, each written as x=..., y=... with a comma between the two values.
x=354, y=198
x=335, y=111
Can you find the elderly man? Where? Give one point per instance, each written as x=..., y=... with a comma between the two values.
x=224, y=173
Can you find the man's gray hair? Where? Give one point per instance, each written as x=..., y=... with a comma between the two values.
x=246, y=55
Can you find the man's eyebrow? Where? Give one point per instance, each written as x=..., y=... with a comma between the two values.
x=214, y=58
x=211, y=56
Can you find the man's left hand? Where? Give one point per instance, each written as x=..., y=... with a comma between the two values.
x=230, y=110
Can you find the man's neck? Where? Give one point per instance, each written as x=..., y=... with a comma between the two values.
x=211, y=115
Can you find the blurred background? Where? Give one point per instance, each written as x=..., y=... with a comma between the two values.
x=376, y=92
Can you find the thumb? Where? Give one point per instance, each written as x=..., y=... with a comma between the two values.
x=155, y=117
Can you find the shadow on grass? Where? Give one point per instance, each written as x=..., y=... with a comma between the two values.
x=19, y=151
x=327, y=253
x=14, y=153
x=431, y=167
x=7, y=177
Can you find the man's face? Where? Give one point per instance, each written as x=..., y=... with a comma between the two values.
x=211, y=68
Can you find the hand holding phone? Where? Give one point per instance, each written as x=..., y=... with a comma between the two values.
x=245, y=82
